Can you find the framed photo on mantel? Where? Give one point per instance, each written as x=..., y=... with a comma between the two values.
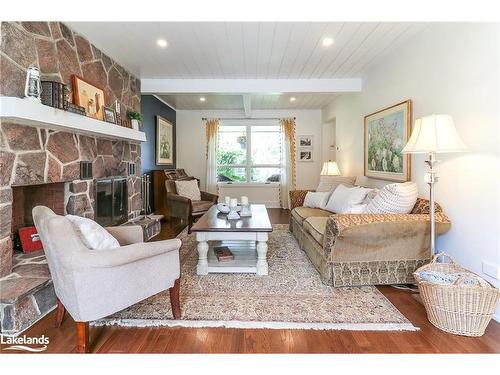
x=89, y=97
x=386, y=133
x=165, y=142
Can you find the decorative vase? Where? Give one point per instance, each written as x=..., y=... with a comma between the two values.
x=135, y=124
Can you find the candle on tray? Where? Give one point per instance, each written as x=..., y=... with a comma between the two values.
x=227, y=200
x=233, y=202
x=244, y=200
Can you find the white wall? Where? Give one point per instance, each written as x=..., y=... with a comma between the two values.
x=191, y=145
x=451, y=69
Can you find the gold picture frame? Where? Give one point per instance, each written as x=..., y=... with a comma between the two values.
x=386, y=132
x=89, y=96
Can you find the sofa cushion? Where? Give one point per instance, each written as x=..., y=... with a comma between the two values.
x=301, y=213
x=316, y=199
x=394, y=199
x=344, y=199
x=315, y=226
x=330, y=183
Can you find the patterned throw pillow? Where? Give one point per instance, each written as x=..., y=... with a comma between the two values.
x=394, y=199
x=330, y=183
x=188, y=189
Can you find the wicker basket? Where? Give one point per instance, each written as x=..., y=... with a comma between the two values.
x=458, y=309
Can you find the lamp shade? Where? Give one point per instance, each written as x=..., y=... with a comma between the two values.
x=330, y=168
x=435, y=133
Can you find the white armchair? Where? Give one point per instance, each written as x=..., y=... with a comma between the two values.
x=92, y=284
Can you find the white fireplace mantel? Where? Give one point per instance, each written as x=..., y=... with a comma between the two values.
x=33, y=113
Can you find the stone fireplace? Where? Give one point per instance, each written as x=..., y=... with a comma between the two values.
x=40, y=163
x=24, y=198
x=41, y=167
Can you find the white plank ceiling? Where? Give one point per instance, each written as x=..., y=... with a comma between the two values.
x=246, y=50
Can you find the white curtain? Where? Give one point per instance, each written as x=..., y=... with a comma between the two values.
x=212, y=131
x=288, y=174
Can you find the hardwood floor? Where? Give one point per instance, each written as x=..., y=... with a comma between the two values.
x=221, y=340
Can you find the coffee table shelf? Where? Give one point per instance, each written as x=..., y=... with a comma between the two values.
x=245, y=257
x=246, y=238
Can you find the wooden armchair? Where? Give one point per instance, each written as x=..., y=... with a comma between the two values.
x=185, y=208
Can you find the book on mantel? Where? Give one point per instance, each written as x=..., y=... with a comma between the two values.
x=223, y=253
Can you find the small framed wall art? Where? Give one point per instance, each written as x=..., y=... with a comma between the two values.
x=305, y=148
x=109, y=115
x=165, y=142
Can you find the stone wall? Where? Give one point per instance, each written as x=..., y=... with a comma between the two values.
x=59, y=53
x=34, y=155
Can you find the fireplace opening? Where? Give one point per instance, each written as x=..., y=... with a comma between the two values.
x=111, y=201
x=24, y=198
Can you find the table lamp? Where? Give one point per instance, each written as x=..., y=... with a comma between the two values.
x=432, y=135
x=330, y=168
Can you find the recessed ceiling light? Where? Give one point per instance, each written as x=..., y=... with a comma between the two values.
x=202, y=99
x=292, y=99
x=327, y=42
x=162, y=43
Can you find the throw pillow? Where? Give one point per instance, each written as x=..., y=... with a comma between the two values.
x=316, y=199
x=93, y=236
x=344, y=199
x=394, y=199
x=188, y=189
x=330, y=183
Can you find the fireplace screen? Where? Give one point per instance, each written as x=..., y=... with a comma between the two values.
x=111, y=201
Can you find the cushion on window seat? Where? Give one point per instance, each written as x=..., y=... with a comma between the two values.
x=315, y=226
x=301, y=213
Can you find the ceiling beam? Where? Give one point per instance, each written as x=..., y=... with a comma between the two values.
x=240, y=86
x=247, y=105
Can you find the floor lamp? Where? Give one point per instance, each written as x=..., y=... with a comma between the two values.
x=432, y=135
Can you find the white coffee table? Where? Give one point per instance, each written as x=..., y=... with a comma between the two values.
x=246, y=238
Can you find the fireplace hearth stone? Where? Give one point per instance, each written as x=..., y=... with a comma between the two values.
x=27, y=294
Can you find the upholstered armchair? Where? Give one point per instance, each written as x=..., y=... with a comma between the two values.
x=185, y=208
x=92, y=284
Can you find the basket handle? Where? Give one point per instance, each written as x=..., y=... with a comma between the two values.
x=444, y=255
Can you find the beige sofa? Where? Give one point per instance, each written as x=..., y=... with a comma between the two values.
x=364, y=249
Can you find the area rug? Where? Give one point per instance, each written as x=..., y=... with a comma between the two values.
x=292, y=296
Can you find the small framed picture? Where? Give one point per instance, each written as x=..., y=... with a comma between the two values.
x=305, y=155
x=305, y=141
x=109, y=115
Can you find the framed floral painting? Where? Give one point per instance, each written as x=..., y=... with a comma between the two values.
x=386, y=133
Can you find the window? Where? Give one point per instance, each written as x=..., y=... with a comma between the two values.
x=249, y=154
